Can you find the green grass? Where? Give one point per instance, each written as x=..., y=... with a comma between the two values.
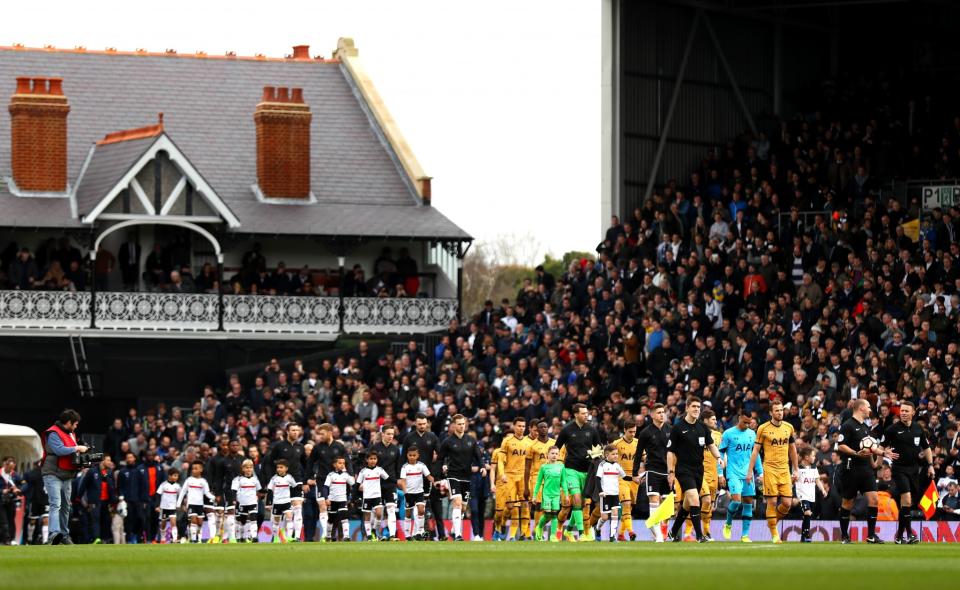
x=490, y=566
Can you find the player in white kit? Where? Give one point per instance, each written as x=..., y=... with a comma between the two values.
x=412, y=477
x=246, y=488
x=281, y=484
x=369, y=480
x=336, y=490
x=807, y=477
x=169, y=492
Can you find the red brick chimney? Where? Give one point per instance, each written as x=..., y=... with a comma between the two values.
x=283, y=143
x=38, y=135
x=301, y=52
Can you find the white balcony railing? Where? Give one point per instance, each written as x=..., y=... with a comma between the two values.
x=363, y=315
x=200, y=313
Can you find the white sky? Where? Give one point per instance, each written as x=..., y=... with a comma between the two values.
x=499, y=99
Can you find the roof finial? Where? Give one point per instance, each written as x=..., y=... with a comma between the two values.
x=160, y=120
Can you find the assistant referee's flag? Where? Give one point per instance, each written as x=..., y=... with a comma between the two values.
x=928, y=503
x=663, y=512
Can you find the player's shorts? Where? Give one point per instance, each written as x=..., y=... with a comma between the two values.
x=39, y=510
x=229, y=501
x=689, y=480
x=656, y=484
x=279, y=509
x=550, y=503
x=858, y=480
x=388, y=491
x=370, y=504
x=250, y=510
x=711, y=483
x=195, y=510
x=336, y=506
x=514, y=489
x=608, y=503
x=906, y=480
x=573, y=481
x=741, y=487
x=165, y=514
x=459, y=488
x=414, y=499
x=628, y=491
x=777, y=483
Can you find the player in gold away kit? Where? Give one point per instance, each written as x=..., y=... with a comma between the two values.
x=712, y=479
x=627, y=450
x=498, y=465
x=777, y=440
x=540, y=443
x=515, y=447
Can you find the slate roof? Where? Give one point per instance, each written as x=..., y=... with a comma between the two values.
x=108, y=164
x=208, y=109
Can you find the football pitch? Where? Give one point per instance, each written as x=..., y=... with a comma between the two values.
x=482, y=565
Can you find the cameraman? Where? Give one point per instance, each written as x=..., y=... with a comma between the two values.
x=58, y=470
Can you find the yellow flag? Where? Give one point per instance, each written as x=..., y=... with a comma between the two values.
x=663, y=512
x=911, y=229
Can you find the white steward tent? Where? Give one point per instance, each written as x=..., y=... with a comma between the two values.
x=22, y=443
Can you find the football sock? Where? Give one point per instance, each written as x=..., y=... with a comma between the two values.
x=614, y=522
x=746, y=515
x=844, y=522
x=695, y=517
x=626, y=521
x=732, y=509
x=457, y=517
x=772, y=520
x=678, y=522
x=173, y=533
x=871, y=520
x=805, y=527
x=324, y=524
x=905, y=522
x=367, y=525
x=45, y=533
x=297, y=521
x=231, y=527
x=392, y=519
x=706, y=515
x=344, y=527
x=194, y=532
x=554, y=525
x=577, y=517
x=525, y=520
x=418, y=520
x=514, y=522
x=212, y=523
x=288, y=525
x=542, y=522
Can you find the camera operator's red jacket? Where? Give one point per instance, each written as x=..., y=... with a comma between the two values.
x=68, y=439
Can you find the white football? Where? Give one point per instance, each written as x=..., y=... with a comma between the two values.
x=868, y=443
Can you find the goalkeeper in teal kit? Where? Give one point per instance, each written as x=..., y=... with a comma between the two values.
x=550, y=481
x=737, y=444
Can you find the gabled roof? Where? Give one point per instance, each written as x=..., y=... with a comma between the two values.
x=114, y=163
x=208, y=106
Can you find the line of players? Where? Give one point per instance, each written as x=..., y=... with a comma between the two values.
x=226, y=491
x=694, y=460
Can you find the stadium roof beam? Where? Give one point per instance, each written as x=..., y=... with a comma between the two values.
x=665, y=132
x=729, y=72
x=752, y=14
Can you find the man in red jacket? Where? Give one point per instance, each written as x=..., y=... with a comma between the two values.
x=58, y=470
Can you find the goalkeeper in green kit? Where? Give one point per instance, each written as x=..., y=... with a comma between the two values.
x=550, y=482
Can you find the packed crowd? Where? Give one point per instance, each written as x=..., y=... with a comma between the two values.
x=58, y=265
x=720, y=288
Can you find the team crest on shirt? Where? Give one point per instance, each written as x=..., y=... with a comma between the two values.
x=701, y=441
x=916, y=441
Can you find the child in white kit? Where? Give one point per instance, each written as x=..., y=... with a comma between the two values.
x=369, y=480
x=337, y=490
x=169, y=493
x=280, y=486
x=196, y=490
x=246, y=488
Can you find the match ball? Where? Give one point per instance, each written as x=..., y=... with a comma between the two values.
x=868, y=443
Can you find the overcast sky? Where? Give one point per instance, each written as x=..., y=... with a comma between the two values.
x=500, y=99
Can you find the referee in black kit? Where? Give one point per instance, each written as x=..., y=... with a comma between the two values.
x=688, y=439
x=908, y=441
